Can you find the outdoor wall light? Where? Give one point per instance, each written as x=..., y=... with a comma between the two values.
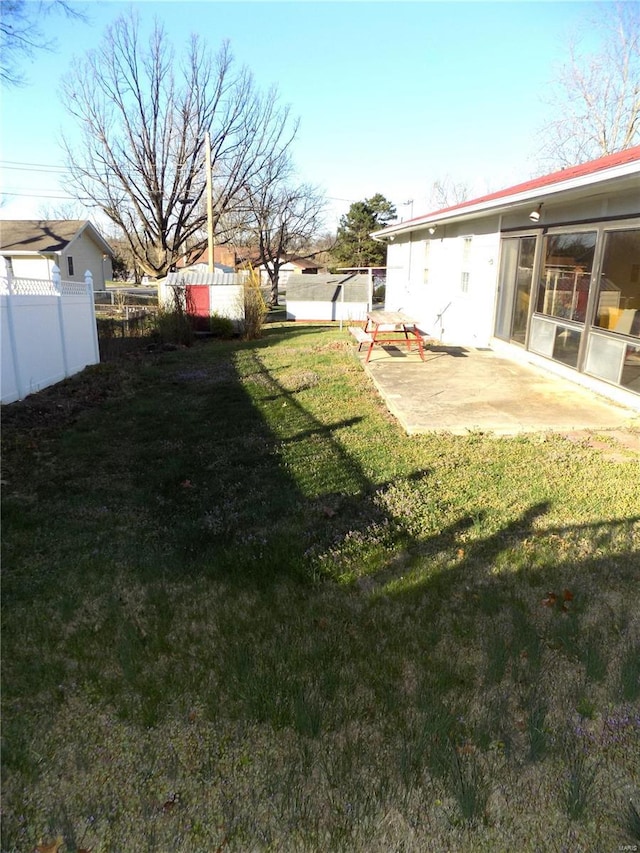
x=432, y=230
x=534, y=216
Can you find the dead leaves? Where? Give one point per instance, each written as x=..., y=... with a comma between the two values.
x=53, y=847
x=171, y=803
x=562, y=601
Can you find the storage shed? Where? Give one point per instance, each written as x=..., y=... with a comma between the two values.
x=328, y=297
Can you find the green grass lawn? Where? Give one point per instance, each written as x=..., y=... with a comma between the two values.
x=243, y=611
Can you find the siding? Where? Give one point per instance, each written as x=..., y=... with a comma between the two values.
x=86, y=255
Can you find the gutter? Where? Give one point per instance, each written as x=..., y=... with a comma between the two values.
x=505, y=200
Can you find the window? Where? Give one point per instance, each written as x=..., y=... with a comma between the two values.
x=619, y=286
x=466, y=264
x=564, y=283
x=70, y=264
x=427, y=252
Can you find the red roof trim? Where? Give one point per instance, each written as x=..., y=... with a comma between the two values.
x=620, y=158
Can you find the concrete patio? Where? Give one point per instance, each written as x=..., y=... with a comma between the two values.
x=460, y=390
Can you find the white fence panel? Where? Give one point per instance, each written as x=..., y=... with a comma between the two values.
x=9, y=377
x=48, y=332
x=39, y=355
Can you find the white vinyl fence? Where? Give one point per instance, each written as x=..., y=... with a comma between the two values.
x=48, y=331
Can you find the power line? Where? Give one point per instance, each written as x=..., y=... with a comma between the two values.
x=19, y=165
x=39, y=169
x=38, y=195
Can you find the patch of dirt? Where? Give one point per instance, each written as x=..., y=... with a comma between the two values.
x=618, y=445
x=60, y=404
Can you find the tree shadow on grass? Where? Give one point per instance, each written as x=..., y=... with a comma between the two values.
x=198, y=512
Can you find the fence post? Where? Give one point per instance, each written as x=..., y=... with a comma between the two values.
x=6, y=287
x=88, y=283
x=57, y=286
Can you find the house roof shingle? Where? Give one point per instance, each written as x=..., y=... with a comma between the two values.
x=42, y=235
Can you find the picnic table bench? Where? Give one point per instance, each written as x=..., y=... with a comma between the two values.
x=385, y=328
x=360, y=335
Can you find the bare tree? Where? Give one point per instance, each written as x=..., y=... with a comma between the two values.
x=144, y=114
x=597, y=100
x=281, y=221
x=445, y=192
x=62, y=210
x=22, y=36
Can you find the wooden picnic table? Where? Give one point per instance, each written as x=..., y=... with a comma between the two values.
x=386, y=328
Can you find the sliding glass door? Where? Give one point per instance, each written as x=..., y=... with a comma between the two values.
x=516, y=280
x=583, y=309
x=563, y=295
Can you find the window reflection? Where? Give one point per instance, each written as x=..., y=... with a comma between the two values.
x=566, y=346
x=564, y=285
x=631, y=369
x=619, y=290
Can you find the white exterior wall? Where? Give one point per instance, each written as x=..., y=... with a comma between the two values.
x=440, y=305
x=227, y=301
x=32, y=266
x=317, y=310
x=86, y=255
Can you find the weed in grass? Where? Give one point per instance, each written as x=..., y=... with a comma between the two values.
x=497, y=654
x=564, y=634
x=593, y=657
x=586, y=708
x=537, y=733
x=581, y=771
x=496, y=730
x=440, y=730
x=631, y=822
x=526, y=646
x=468, y=783
x=630, y=673
x=412, y=752
x=308, y=712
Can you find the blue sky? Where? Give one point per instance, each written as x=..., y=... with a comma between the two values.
x=391, y=96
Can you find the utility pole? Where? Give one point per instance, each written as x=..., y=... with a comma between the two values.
x=207, y=143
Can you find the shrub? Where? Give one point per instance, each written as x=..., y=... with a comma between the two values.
x=255, y=308
x=174, y=323
x=221, y=327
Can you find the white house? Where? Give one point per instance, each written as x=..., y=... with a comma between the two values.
x=547, y=271
x=291, y=266
x=33, y=246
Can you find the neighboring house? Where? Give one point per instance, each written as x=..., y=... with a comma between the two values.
x=547, y=271
x=204, y=268
x=33, y=246
x=224, y=256
x=289, y=266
